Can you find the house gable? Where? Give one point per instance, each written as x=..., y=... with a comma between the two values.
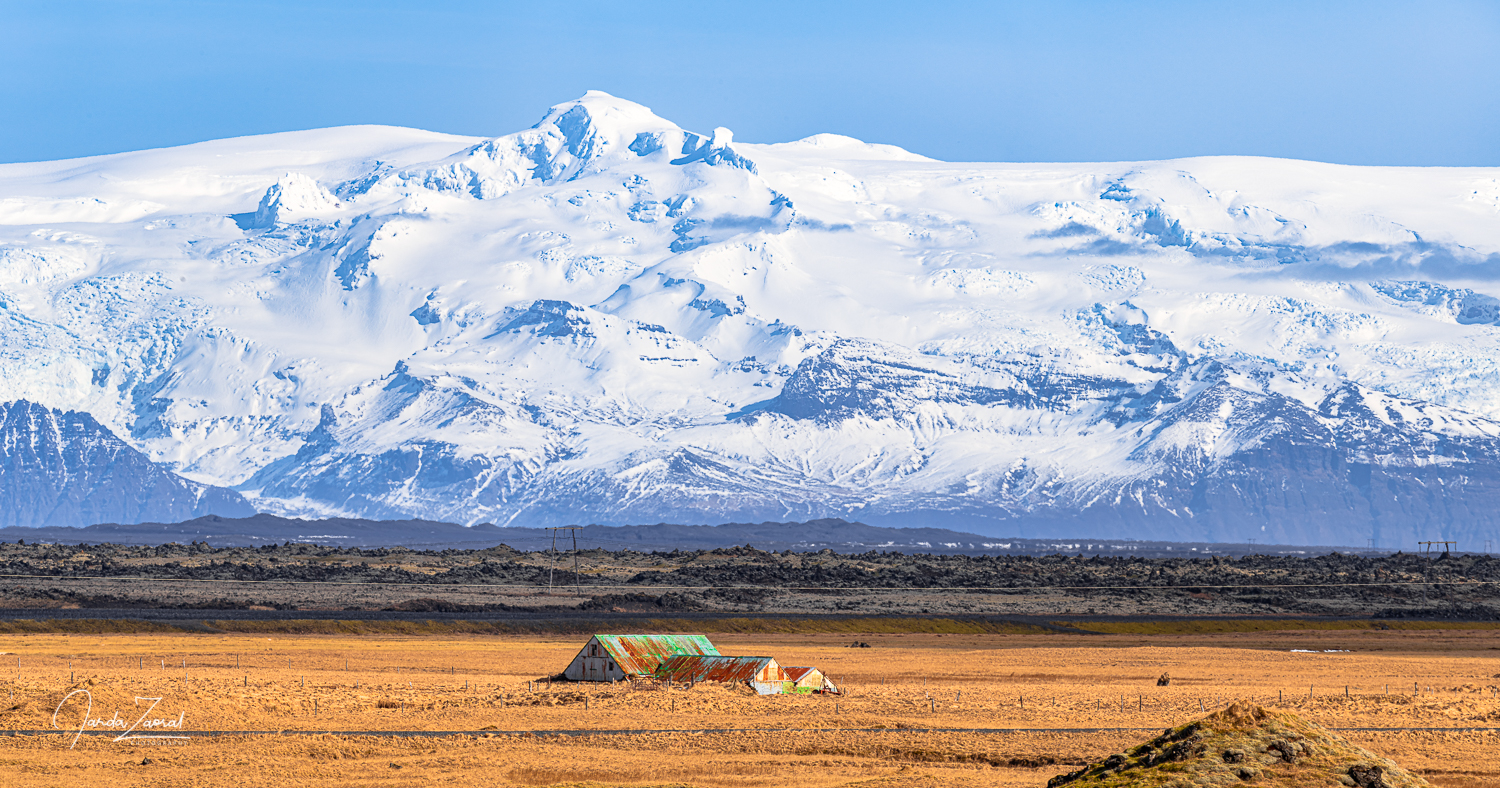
x=615, y=657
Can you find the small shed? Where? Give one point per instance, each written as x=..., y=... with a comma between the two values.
x=805, y=680
x=761, y=673
x=616, y=657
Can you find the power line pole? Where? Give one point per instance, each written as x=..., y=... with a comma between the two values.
x=552, y=553
x=1428, y=548
x=577, y=588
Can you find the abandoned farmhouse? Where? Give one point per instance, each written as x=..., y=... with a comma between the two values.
x=687, y=659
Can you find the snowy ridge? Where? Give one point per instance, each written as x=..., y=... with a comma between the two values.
x=62, y=469
x=608, y=318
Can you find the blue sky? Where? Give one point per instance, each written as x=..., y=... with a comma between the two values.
x=1413, y=83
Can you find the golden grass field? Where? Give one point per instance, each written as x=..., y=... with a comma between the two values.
x=471, y=682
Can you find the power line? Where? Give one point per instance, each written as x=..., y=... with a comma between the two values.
x=554, y=530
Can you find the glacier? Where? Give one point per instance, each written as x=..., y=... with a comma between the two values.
x=609, y=319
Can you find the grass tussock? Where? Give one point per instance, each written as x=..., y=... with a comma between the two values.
x=725, y=626
x=748, y=626
x=83, y=626
x=652, y=776
x=311, y=626
x=1209, y=627
x=850, y=626
x=789, y=626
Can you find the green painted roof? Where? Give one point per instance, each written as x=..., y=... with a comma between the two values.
x=641, y=654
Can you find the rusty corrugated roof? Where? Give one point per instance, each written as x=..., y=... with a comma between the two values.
x=717, y=668
x=641, y=655
x=796, y=673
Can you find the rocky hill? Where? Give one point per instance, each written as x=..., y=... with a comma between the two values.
x=814, y=535
x=1376, y=590
x=66, y=469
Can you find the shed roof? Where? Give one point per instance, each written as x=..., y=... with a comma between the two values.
x=642, y=654
x=713, y=668
x=798, y=673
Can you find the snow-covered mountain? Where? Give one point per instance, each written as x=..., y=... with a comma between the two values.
x=66, y=468
x=607, y=318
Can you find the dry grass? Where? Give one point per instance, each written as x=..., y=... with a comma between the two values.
x=736, y=626
x=383, y=681
x=851, y=626
x=748, y=625
x=674, y=773
x=83, y=626
x=1217, y=626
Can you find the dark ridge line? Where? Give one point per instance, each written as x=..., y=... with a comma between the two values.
x=202, y=619
x=654, y=587
x=842, y=536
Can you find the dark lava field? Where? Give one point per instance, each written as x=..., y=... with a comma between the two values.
x=742, y=580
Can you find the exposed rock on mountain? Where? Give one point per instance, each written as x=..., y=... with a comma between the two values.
x=608, y=318
x=66, y=469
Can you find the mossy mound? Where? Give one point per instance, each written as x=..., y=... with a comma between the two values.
x=1244, y=745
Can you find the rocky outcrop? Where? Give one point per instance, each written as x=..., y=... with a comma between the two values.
x=66, y=469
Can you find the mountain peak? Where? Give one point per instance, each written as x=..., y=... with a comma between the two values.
x=294, y=196
x=64, y=468
x=575, y=138
x=600, y=116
